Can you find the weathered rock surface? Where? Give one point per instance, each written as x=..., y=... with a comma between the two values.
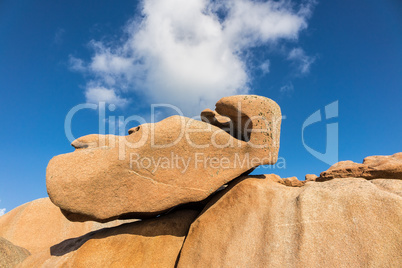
x=310, y=177
x=162, y=165
x=373, y=167
x=149, y=243
x=293, y=182
x=10, y=254
x=255, y=222
x=39, y=224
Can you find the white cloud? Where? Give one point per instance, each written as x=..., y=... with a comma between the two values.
x=299, y=57
x=251, y=22
x=2, y=211
x=101, y=94
x=58, y=36
x=76, y=64
x=287, y=89
x=190, y=53
x=265, y=67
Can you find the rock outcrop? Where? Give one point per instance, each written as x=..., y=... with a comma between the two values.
x=10, y=254
x=256, y=222
x=159, y=166
x=188, y=183
x=373, y=167
x=38, y=225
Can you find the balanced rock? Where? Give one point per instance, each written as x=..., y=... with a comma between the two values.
x=149, y=243
x=39, y=224
x=10, y=254
x=373, y=167
x=258, y=222
x=159, y=166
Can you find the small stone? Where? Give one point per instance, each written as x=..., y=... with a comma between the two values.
x=293, y=182
x=311, y=177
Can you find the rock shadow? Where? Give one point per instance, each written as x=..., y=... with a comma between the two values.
x=173, y=224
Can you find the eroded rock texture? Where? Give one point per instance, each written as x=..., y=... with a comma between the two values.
x=159, y=166
x=10, y=254
x=349, y=222
x=373, y=167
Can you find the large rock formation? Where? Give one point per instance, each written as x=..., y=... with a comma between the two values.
x=350, y=216
x=162, y=165
x=10, y=254
x=39, y=224
x=257, y=222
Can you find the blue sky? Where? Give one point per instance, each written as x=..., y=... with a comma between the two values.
x=55, y=55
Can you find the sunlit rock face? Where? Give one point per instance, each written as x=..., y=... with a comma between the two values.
x=159, y=166
x=39, y=224
x=258, y=222
x=254, y=221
